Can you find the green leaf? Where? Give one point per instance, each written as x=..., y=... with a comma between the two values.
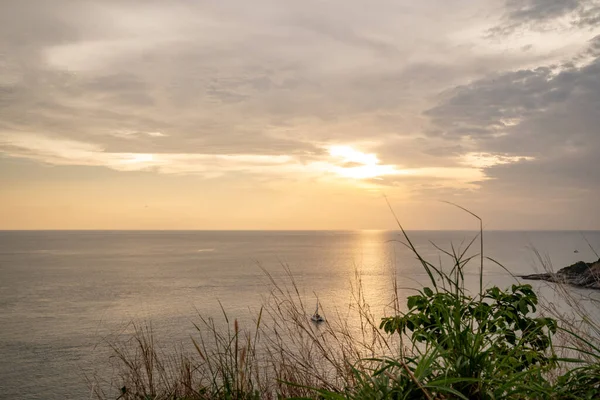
x=412, y=302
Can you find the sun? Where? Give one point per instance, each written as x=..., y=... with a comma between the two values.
x=358, y=165
x=348, y=154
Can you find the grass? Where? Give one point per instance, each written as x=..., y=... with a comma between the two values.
x=446, y=344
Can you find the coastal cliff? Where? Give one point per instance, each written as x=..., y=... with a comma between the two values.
x=580, y=274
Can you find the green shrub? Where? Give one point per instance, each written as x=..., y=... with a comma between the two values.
x=488, y=346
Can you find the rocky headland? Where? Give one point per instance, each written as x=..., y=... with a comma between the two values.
x=581, y=274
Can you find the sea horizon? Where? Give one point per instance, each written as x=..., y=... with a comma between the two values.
x=299, y=230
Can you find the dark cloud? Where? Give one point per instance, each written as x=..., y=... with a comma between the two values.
x=487, y=108
x=548, y=14
x=491, y=107
x=540, y=9
x=549, y=113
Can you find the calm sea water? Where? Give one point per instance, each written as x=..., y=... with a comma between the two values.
x=62, y=292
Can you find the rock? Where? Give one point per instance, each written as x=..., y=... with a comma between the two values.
x=580, y=274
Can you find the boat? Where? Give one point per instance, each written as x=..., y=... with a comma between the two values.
x=316, y=317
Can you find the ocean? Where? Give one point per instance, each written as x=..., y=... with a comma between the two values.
x=63, y=292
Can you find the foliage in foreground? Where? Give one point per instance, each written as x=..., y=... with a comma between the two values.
x=446, y=345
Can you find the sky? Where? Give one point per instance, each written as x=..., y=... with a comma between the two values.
x=275, y=114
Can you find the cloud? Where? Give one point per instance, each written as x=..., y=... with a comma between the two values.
x=59, y=151
x=483, y=160
x=233, y=78
x=545, y=120
x=264, y=89
x=340, y=162
x=548, y=15
x=130, y=134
